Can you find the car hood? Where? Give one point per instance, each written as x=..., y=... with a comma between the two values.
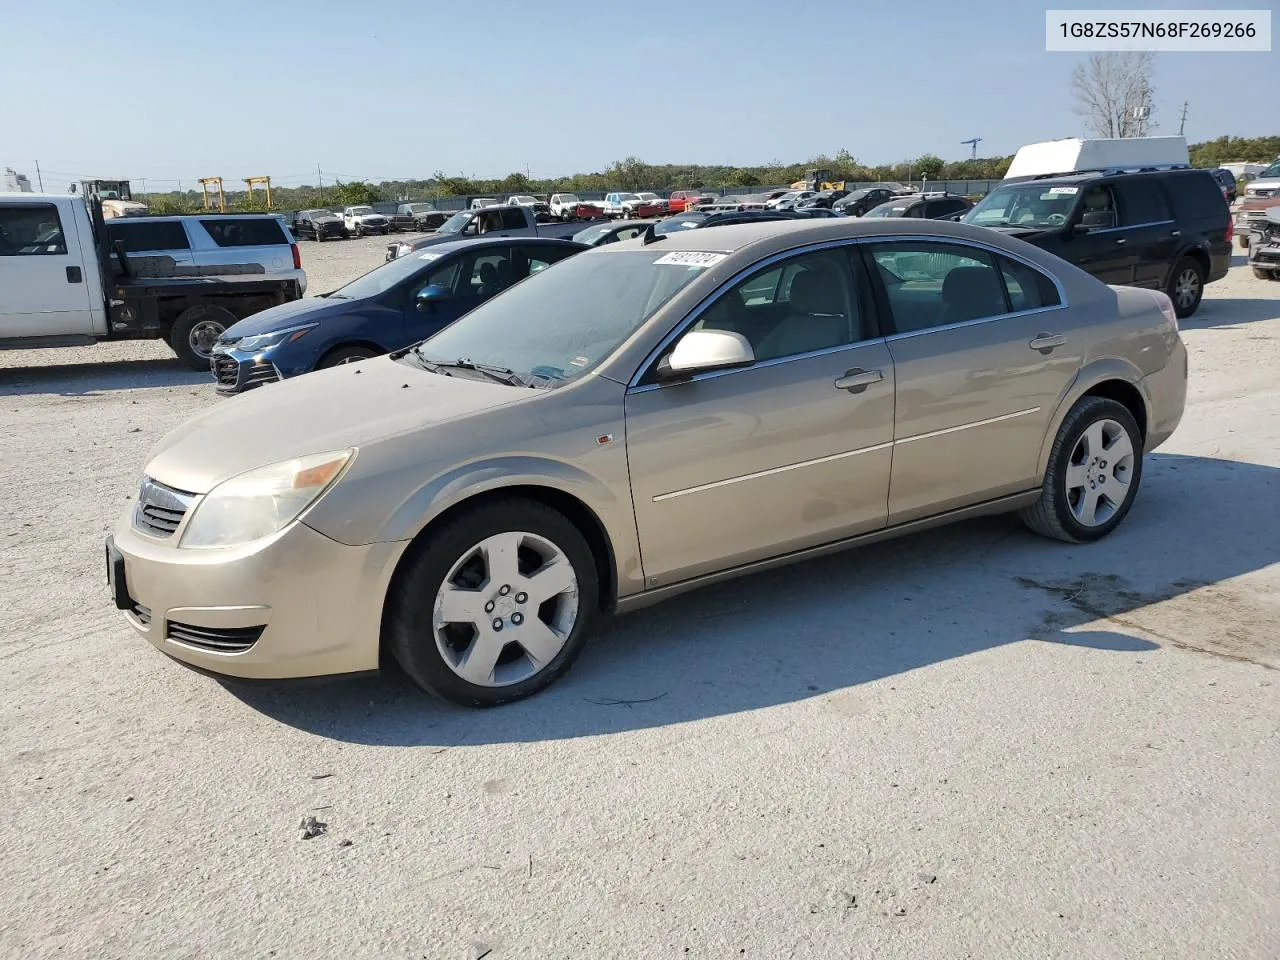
x=1270, y=183
x=335, y=409
x=1022, y=233
x=288, y=315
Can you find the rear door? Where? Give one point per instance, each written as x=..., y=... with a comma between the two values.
x=43, y=288
x=1149, y=229
x=982, y=358
x=242, y=240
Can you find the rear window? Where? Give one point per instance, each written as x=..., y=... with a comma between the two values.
x=1196, y=195
x=245, y=232
x=139, y=237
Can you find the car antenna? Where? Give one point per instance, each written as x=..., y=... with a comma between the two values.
x=650, y=236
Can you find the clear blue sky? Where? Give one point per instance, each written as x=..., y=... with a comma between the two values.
x=178, y=90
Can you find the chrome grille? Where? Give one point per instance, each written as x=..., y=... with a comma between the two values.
x=226, y=370
x=221, y=639
x=259, y=372
x=160, y=509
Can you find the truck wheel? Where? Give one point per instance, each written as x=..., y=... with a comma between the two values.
x=1243, y=240
x=195, y=332
x=1265, y=274
x=1186, y=287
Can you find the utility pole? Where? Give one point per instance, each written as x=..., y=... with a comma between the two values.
x=320, y=177
x=39, y=178
x=1182, y=124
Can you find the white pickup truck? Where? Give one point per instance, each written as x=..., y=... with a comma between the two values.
x=65, y=282
x=362, y=220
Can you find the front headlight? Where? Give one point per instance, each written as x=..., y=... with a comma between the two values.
x=263, y=340
x=261, y=502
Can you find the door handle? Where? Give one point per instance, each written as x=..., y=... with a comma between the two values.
x=1120, y=241
x=857, y=379
x=74, y=275
x=1047, y=342
x=1175, y=233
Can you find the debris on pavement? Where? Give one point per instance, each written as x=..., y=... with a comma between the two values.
x=310, y=827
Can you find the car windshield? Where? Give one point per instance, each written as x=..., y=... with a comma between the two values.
x=561, y=323
x=418, y=208
x=889, y=209
x=627, y=196
x=456, y=223
x=676, y=224
x=1025, y=205
x=568, y=198
x=1271, y=171
x=592, y=234
x=382, y=278
x=317, y=214
x=360, y=210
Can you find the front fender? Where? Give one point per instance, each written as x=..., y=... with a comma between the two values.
x=1089, y=376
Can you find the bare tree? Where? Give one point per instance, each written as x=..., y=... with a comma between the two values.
x=1114, y=93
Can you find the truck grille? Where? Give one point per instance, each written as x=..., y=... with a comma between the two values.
x=220, y=639
x=160, y=509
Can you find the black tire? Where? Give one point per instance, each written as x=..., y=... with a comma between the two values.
x=206, y=317
x=340, y=355
x=1266, y=274
x=1051, y=516
x=319, y=237
x=1243, y=240
x=408, y=618
x=1183, y=305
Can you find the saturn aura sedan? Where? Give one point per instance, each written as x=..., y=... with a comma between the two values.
x=645, y=418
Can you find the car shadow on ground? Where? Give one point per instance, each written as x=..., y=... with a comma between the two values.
x=1235, y=311
x=78, y=379
x=834, y=623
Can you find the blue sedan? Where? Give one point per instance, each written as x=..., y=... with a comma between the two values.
x=390, y=307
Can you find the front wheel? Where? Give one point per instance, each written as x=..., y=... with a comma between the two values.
x=195, y=332
x=1094, y=471
x=1186, y=287
x=341, y=355
x=1243, y=240
x=1266, y=274
x=495, y=604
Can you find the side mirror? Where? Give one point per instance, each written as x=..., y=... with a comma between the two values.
x=429, y=296
x=701, y=350
x=1096, y=220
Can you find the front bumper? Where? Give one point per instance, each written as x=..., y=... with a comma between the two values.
x=296, y=604
x=236, y=372
x=1264, y=256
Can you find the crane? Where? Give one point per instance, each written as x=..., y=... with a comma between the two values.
x=973, y=144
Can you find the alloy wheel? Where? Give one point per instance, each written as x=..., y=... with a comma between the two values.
x=204, y=335
x=1100, y=474
x=506, y=609
x=1187, y=288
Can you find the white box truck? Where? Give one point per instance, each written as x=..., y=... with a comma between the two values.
x=1076, y=154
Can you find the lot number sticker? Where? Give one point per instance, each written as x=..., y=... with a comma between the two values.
x=1069, y=191
x=691, y=258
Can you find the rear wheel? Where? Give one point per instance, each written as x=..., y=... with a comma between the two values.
x=495, y=604
x=195, y=332
x=1186, y=287
x=340, y=355
x=1094, y=470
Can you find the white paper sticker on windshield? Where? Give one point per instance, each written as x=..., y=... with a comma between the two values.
x=692, y=258
x=429, y=256
x=1069, y=191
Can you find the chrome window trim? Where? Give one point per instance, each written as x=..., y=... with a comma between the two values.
x=1132, y=226
x=693, y=315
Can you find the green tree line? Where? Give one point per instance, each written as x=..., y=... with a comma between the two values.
x=633, y=173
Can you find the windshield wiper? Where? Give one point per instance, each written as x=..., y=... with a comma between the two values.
x=500, y=374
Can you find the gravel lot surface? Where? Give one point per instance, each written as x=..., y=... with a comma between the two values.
x=969, y=743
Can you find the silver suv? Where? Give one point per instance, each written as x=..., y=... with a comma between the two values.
x=225, y=246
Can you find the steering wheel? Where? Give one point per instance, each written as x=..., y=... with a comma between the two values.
x=1056, y=219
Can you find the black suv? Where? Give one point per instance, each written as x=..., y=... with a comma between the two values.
x=924, y=206
x=1168, y=230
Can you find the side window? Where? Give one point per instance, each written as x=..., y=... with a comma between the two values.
x=490, y=273
x=142, y=236
x=539, y=258
x=1098, y=200
x=489, y=221
x=446, y=277
x=936, y=284
x=916, y=210
x=802, y=305
x=245, y=232
x=514, y=219
x=1028, y=289
x=31, y=230
x=1142, y=201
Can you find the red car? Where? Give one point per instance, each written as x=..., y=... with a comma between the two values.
x=682, y=200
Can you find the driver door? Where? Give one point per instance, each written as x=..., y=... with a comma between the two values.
x=734, y=466
x=469, y=278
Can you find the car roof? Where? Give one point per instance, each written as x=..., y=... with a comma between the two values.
x=788, y=233
x=452, y=246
